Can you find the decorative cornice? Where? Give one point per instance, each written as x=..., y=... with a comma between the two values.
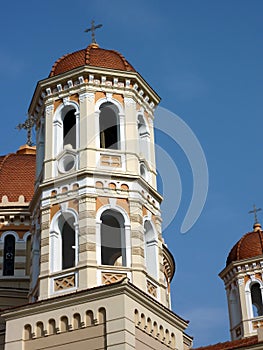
x=238, y=269
x=123, y=287
x=106, y=79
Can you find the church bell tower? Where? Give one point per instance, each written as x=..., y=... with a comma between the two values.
x=242, y=277
x=98, y=255
x=97, y=210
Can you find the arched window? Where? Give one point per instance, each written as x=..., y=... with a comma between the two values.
x=28, y=255
x=63, y=241
x=66, y=127
x=151, y=249
x=256, y=299
x=67, y=229
x=144, y=137
x=113, y=244
x=9, y=255
x=109, y=126
x=234, y=306
x=69, y=129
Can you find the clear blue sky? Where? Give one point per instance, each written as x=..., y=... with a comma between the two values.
x=204, y=58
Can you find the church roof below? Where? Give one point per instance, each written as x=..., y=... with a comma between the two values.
x=249, y=246
x=94, y=56
x=17, y=176
x=234, y=344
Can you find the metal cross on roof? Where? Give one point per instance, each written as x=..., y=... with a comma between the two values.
x=254, y=211
x=28, y=126
x=92, y=30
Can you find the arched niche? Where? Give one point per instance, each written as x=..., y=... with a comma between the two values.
x=151, y=248
x=143, y=137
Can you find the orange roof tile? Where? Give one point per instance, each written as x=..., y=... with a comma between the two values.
x=92, y=56
x=17, y=176
x=230, y=345
x=249, y=246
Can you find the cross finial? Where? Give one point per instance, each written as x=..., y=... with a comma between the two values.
x=92, y=30
x=28, y=126
x=254, y=211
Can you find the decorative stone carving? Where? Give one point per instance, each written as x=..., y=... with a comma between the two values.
x=49, y=109
x=151, y=289
x=128, y=101
x=64, y=283
x=109, y=277
x=110, y=161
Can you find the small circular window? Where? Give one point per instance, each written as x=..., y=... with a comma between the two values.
x=66, y=163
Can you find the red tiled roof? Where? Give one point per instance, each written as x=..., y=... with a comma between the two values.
x=249, y=246
x=17, y=176
x=234, y=344
x=92, y=56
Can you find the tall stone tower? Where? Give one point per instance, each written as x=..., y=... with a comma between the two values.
x=101, y=272
x=242, y=277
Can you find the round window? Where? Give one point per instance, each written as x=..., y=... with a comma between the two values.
x=66, y=163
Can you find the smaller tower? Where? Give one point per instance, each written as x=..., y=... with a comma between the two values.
x=242, y=277
x=17, y=173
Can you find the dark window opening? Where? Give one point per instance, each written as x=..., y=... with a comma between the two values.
x=109, y=127
x=69, y=129
x=257, y=299
x=112, y=242
x=68, y=241
x=9, y=256
x=28, y=255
